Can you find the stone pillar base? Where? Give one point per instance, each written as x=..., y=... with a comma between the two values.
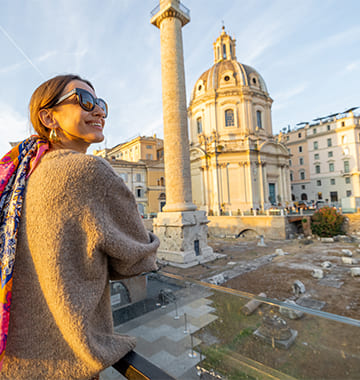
x=183, y=238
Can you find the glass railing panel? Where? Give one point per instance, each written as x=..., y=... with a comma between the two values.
x=195, y=328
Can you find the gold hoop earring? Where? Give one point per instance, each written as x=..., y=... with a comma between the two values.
x=53, y=137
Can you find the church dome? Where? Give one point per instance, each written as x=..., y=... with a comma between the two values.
x=227, y=73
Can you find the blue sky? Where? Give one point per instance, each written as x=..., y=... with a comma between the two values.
x=308, y=53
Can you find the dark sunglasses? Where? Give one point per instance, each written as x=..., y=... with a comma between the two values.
x=86, y=100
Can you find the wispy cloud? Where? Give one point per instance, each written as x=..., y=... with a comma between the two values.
x=283, y=98
x=352, y=66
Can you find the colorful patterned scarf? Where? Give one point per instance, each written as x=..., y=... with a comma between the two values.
x=15, y=168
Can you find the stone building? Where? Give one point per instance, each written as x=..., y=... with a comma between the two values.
x=140, y=164
x=325, y=159
x=236, y=164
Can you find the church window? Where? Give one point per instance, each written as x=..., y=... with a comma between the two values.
x=258, y=119
x=218, y=52
x=200, y=87
x=254, y=80
x=229, y=118
x=231, y=53
x=199, y=125
x=226, y=78
x=224, y=51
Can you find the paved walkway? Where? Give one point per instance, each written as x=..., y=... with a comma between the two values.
x=161, y=335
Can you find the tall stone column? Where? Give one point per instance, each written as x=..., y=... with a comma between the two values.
x=182, y=228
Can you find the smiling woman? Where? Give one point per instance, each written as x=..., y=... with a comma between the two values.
x=68, y=225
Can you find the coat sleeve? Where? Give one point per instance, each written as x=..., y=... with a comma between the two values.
x=130, y=248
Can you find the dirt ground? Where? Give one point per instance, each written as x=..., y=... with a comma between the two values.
x=254, y=269
x=324, y=349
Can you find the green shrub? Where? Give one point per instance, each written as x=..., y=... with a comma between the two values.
x=327, y=222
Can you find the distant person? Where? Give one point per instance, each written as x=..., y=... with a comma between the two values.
x=68, y=225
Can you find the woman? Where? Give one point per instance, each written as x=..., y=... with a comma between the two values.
x=76, y=228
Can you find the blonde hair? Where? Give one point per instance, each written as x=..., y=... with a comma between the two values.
x=46, y=96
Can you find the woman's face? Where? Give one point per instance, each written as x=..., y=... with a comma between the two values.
x=78, y=128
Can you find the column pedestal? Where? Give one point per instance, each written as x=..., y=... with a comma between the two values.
x=183, y=238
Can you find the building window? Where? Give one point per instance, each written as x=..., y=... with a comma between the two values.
x=329, y=142
x=343, y=139
x=139, y=192
x=199, y=125
x=316, y=156
x=346, y=167
x=302, y=175
x=318, y=183
x=138, y=177
x=149, y=156
x=330, y=153
x=346, y=151
x=314, y=131
x=328, y=127
x=332, y=181
x=333, y=196
x=258, y=119
x=300, y=149
x=316, y=145
x=347, y=180
x=290, y=163
x=317, y=169
x=148, y=146
x=348, y=193
x=343, y=123
x=229, y=118
x=299, y=135
x=226, y=78
x=303, y=187
x=224, y=51
x=331, y=167
x=301, y=161
x=291, y=176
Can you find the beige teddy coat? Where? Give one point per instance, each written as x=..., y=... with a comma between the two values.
x=79, y=228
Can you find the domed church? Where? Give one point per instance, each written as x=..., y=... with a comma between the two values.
x=236, y=163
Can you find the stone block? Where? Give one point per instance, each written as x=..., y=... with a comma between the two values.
x=290, y=313
x=347, y=260
x=355, y=272
x=327, y=240
x=317, y=273
x=326, y=265
x=347, y=252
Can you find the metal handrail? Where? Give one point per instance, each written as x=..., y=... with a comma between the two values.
x=134, y=366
